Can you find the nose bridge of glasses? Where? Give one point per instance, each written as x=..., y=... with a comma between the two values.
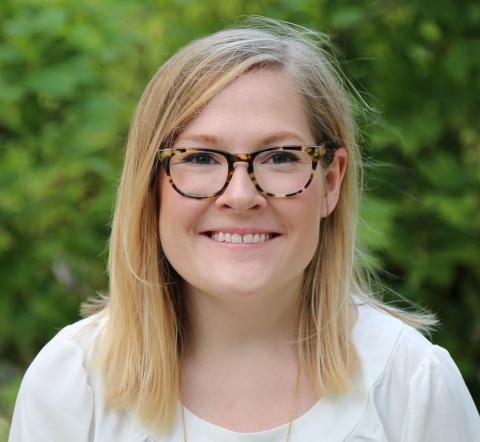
x=241, y=158
x=242, y=161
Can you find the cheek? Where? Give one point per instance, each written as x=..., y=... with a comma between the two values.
x=172, y=216
x=309, y=217
x=303, y=215
x=178, y=219
x=174, y=208
x=311, y=211
x=168, y=206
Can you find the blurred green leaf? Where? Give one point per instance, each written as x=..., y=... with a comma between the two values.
x=72, y=72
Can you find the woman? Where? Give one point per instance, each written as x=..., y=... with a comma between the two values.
x=236, y=311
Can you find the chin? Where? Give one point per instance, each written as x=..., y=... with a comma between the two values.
x=233, y=288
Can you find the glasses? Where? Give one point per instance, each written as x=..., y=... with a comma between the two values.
x=276, y=171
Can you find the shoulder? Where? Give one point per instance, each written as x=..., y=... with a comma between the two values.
x=67, y=352
x=389, y=348
x=55, y=398
x=380, y=338
x=413, y=384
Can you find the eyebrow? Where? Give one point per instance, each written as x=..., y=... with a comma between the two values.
x=268, y=140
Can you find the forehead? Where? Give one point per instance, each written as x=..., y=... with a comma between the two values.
x=258, y=108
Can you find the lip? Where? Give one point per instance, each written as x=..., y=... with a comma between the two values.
x=245, y=246
x=207, y=234
x=240, y=230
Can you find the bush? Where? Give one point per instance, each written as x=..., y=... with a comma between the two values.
x=72, y=72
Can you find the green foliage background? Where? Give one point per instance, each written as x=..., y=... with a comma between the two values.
x=71, y=73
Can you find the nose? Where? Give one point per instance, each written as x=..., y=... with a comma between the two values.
x=241, y=194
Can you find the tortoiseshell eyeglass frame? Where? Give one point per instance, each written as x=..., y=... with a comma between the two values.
x=323, y=152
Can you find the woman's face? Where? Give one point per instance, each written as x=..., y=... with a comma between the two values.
x=258, y=109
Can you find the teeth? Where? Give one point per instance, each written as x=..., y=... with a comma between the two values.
x=236, y=238
x=248, y=238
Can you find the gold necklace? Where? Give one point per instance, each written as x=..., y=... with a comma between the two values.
x=290, y=420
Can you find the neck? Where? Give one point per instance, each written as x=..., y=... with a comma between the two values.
x=240, y=356
x=220, y=327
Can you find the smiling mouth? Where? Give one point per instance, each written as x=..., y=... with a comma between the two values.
x=236, y=238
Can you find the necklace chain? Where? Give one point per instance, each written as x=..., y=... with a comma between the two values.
x=290, y=420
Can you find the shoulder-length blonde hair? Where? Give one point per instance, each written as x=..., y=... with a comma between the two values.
x=139, y=350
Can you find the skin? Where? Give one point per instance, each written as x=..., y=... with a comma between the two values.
x=240, y=356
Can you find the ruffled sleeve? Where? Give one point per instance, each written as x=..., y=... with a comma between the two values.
x=55, y=402
x=440, y=407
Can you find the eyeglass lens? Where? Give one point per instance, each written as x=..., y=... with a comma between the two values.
x=276, y=171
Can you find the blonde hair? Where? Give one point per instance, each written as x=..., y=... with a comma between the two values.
x=139, y=349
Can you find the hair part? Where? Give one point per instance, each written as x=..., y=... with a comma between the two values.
x=138, y=354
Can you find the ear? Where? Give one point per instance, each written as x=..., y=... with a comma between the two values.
x=333, y=181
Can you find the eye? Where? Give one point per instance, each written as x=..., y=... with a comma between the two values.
x=200, y=158
x=281, y=157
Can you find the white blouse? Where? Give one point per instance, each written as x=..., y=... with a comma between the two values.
x=409, y=390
